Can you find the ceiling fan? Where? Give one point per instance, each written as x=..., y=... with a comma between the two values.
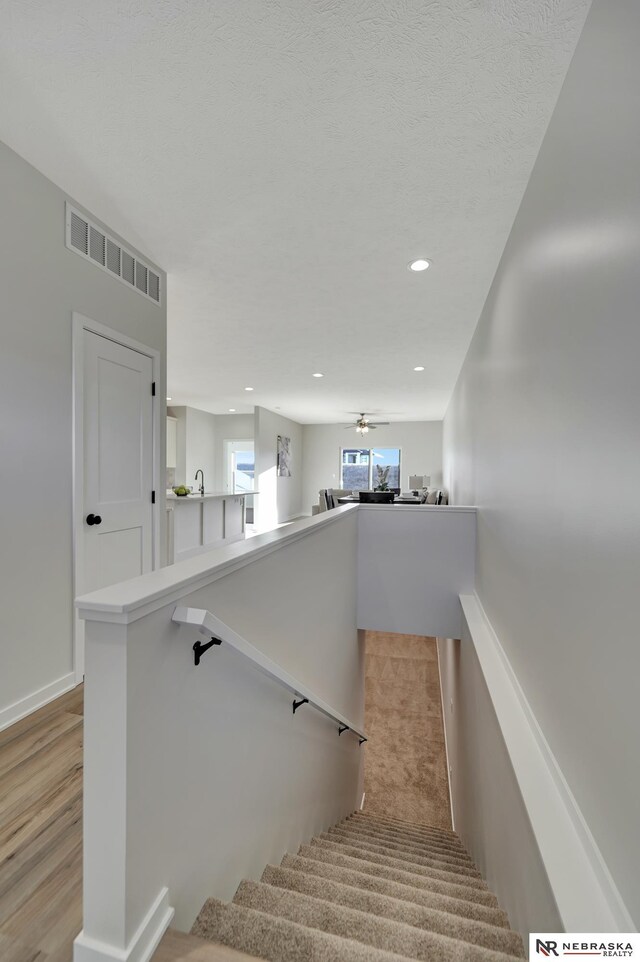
x=363, y=425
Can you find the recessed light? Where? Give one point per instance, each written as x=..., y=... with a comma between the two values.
x=169, y=399
x=248, y=389
x=419, y=368
x=232, y=410
x=318, y=374
x=420, y=264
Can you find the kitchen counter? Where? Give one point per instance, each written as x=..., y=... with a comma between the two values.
x=203, y=522
x=208, y=494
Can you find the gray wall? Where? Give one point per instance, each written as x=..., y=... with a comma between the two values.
x=420, y=443
x=42, y=283
x=200, y=443
x=279, y=499
x=543, y=434
x=196, y=446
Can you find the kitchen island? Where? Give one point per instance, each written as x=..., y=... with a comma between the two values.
x=199, y=522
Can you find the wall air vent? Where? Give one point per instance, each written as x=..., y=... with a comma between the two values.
x=86, y=238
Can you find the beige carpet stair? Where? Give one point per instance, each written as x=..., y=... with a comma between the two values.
x=398, y=875
x=371, y=889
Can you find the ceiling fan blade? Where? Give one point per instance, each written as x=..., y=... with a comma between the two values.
x=377, y=424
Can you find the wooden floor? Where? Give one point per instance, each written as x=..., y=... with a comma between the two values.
x=405, y=771
x=41, y=833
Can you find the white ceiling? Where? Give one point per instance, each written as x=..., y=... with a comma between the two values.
x=283, y=160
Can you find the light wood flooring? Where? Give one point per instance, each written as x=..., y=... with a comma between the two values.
x=41, y=833
x=405, y=772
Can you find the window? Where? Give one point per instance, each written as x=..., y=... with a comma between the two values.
x=370, y=469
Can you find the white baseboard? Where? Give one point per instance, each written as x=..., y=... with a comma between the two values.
x=20, y=709
x=142, y=945
x=582, y=884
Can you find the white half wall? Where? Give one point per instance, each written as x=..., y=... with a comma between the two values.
x=42, y=283
x=201, y=776
x=420, y=443
x=414, y=561
x=489, y=814
x=279, y=499
x=542, y=433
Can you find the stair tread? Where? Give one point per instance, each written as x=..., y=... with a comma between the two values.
x=179, y=947
x=431, y=845
x=403, y=823
x=280, y=940
x=426, y=919
x=349, y=923
x=418, y=867
x=338, y=856
x=460, y=864
x=405, y=830
x=408, y=893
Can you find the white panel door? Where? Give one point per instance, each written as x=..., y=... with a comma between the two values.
x=118, y=463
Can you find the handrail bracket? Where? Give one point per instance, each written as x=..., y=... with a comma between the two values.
x=298, y=703
x=199, y=649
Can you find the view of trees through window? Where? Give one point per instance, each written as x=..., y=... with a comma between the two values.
x=370, y=469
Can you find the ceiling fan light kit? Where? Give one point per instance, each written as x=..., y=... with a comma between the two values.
x=363, y=425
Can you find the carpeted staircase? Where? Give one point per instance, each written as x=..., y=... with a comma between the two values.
x=372, y=889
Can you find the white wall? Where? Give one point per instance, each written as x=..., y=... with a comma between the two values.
x=206, y=771
x=201, y=447
x=542, y=433
x=420, y=441
x=414, y=562
x=488, y=810
x=42, y=283
x=280, y=499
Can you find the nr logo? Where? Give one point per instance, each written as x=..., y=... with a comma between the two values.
x=546, y=948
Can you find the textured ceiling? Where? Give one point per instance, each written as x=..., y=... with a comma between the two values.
x=283, y=160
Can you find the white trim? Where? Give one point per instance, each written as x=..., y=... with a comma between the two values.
x=582, y=884
x=133, y=599
x=142, y=945
x=80, y=323
x=20, y=709
x=440, y=508
x=444, y=729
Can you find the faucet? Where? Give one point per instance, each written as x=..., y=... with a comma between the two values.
x=201, y=473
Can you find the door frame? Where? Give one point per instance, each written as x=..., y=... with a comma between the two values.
x=79, y=324
x=225, y=457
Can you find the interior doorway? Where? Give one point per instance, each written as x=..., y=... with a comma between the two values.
x=239, y=471
x=239, y=459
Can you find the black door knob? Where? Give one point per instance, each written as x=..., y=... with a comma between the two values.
x=94, y=519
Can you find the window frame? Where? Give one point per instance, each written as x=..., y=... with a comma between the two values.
x=361, y=447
